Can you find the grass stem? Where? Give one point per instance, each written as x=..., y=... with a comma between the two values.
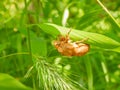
x=108, y=13
x=89, y=73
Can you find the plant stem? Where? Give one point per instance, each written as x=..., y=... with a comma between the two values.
x=89, y=73
x=28, y=32
x=104, y=67
x=108, y=13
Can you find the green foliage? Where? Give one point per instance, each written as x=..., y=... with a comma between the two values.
x=94, y=39
x=28, y=28
x=38, y=46
x=8, y=82
x=51, y=78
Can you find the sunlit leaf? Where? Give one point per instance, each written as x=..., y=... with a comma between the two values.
x=95, y=39
x=9, y=83
x=65, y=16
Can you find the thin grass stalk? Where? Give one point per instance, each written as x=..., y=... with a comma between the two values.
x=89, y=73
x=107, y=11
x=98, y=69
x=29, y=44
x=34, y=84
x=28, y=33
x=104, y=67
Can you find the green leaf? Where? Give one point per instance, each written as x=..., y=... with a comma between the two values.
x=49, y=29
x=65, y=16
x=7, y=82
x=95, y=39
x=2, y=46
x=38, y=46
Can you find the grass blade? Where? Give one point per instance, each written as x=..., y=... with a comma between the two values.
x=95, y=39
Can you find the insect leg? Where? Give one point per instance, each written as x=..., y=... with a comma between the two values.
x=83, y=40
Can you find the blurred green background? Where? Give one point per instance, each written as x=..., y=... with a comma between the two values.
x=29, y=61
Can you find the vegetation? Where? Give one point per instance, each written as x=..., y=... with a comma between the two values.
x=29, y=60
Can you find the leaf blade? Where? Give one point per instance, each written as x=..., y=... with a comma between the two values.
x=95, y=39
x=9, y=83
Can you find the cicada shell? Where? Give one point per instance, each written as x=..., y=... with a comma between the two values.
x=68, y=48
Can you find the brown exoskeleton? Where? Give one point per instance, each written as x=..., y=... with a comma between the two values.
x=68, y=48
